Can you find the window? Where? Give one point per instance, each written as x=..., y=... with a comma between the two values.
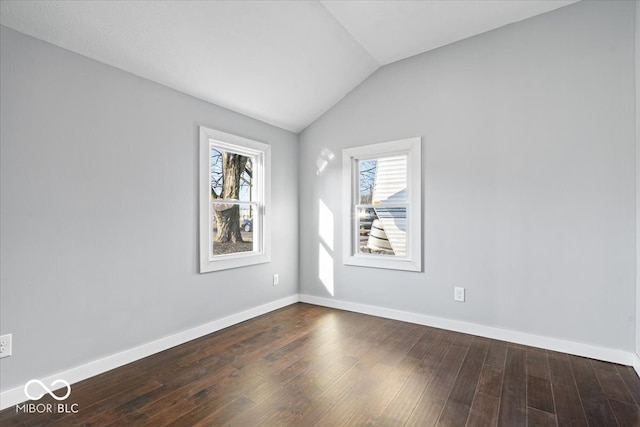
x=234, y=193
x=382, y=200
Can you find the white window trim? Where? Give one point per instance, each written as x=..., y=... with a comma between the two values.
x=246, y=147
x=350, y=156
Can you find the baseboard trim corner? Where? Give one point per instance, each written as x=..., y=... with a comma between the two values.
x=16, y=395
x=548, y=343
x=636, y=363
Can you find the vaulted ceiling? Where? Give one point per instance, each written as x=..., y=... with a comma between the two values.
x=282, y=62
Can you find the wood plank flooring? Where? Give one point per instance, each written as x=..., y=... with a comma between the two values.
x=306, y=365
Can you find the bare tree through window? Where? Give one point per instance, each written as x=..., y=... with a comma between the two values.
x=231, y=184
x=367, y=180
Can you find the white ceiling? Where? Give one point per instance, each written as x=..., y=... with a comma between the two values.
x=282, y=62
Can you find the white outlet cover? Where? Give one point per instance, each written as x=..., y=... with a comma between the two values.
x=458, y=294
x=5, y=345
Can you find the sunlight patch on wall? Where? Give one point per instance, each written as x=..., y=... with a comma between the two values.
x=325, y=224
x=325, y=268
x=325, y=246
x=323, y=161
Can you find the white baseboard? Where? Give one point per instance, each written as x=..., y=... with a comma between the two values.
x=579, y=349
x=14, y=396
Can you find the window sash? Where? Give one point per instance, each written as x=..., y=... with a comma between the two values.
x=356, y=230
x=255, y=200
x=257, y=235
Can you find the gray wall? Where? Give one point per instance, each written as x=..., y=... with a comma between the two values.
x=637, y=178
x=528, y=193
x=529, y=184
x=99, y=180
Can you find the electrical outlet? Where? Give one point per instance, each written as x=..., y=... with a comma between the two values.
x=458, y=294
x=5, y=345
x=276, y=279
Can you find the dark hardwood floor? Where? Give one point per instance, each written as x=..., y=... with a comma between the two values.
x=305, y=365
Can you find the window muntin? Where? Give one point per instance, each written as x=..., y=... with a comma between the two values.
x=233, y=197
x=382, y=200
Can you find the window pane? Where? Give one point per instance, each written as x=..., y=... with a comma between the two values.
x=232, y=228
x=231, y=175
x=367, y=175
x=390, y=180
x=382, y=231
